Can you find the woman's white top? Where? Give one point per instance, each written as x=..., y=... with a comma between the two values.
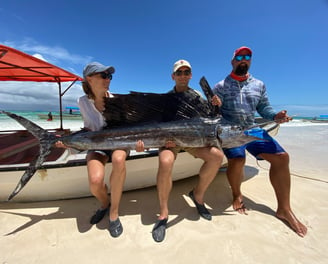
x=92, y=118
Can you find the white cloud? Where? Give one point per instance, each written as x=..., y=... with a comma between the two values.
x=36, y=96
x=53, y=54
x=41, y=96
x=39, y=56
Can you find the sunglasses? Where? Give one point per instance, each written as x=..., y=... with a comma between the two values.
x=185, y=73
x=106, y=75
x=241, y=57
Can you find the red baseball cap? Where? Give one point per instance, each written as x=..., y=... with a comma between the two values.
x=237, y=51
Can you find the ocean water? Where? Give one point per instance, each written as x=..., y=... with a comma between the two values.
x=7, y=123
x=307, y=146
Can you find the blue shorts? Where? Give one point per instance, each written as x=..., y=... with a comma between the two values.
x=268, y=145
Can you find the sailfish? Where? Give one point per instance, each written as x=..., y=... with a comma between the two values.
x=185, y=118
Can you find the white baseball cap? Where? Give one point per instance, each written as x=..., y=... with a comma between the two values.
x=180, y=63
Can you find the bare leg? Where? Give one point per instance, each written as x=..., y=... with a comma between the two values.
x=164, y=181
x=117, y=179
x=96, y=173
x=280, y=180
x=212, y=161
x=235, y=174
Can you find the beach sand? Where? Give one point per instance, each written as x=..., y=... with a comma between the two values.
x=59, y=231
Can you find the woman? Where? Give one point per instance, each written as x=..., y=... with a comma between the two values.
x=97, y=78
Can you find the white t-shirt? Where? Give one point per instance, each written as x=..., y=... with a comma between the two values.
x=92, y=118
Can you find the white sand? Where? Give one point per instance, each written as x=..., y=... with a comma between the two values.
x=59, y=231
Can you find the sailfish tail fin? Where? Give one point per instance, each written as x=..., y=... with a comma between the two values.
x=46, y=140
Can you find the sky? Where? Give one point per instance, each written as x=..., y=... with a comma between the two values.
x=142, y=40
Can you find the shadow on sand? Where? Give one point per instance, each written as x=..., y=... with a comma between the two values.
x=142, y=201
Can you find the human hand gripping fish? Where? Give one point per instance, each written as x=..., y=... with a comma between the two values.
x=282, y=117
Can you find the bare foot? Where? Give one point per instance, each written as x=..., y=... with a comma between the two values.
x=290, y=219
x=238, y=205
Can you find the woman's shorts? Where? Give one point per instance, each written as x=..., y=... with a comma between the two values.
x=104, y=152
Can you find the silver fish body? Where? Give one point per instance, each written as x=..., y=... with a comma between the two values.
x=185, y=133
x=197, y=132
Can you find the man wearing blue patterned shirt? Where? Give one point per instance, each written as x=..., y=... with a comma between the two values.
x=240, y=96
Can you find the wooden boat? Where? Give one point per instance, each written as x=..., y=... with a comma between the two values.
x=64, y=116
x=71, y=113
x=320, y=119
x=64, y=174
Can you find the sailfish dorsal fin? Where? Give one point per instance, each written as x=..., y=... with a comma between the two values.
x=138, y=107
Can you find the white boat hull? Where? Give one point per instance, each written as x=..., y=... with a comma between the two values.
x=72, y=181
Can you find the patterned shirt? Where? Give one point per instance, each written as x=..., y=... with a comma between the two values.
x=241, y=100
